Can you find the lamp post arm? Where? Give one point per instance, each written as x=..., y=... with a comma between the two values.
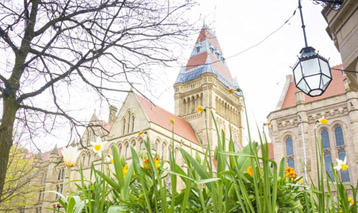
x=303, y=24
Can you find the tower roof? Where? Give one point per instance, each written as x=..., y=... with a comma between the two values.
x=207, y=57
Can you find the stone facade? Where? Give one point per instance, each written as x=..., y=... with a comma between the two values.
x=293, y=127
x=208, y=88
x=343, y=30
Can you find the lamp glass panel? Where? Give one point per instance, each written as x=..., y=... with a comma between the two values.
x=298, y=72
x=325, y=67
x=325, y=82
x=313, y=81
x=316, y=92
x=303, y=86
x=310, y=67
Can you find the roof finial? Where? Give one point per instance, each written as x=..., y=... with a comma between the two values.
x=204, y=27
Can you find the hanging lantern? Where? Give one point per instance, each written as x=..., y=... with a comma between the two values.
x=312, y=73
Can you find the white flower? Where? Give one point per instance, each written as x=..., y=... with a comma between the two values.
x=70, y=155
x=110, y=159
x=98, y=146
x=341, y=164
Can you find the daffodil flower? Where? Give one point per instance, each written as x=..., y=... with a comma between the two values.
x=231, y=90
x=267, y=124
x=172, y=121
x=341, y=164
x=98, y=146
x=125, y=169
x=70, y=155
x=110, y=159
x=350, y=200
x=200, y=109
x=322, y=120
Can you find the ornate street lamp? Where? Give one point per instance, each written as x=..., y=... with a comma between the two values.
x=312, y=72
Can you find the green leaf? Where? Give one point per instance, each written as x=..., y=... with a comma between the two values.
x=201, y=171
x=118, y=167
x=207, y=180
x=71, y=205
x=110, y=181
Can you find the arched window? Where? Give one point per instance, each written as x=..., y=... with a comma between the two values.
x=328, y=164
x=129, y=121
x=289, y=153
x=345, y=173
x=339, y=136
x=289, y=147
x=127, y=150
x=291, y=163
x=162, y=154
x=134, y=145
x=327, y=153
x=133, y=123
x=168, y=152
x=120, y=150
x=325, y=139
x=124, y=126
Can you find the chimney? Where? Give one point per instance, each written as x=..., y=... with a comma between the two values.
x=112, y=114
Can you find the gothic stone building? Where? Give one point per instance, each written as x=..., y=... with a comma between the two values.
x=205, y=81
x=293, y=124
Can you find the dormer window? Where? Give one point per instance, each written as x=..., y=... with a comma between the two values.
x=211, y=49
x=217, y=54
x=198, y=49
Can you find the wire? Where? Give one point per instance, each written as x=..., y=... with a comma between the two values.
x=252, y=46
x=353, y=71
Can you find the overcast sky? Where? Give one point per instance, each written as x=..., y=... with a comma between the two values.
x=260, y=71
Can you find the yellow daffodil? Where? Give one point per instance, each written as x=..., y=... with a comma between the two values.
x=110, y=159
x=172, y=121
x=98, y=146
x=231, y=90
x=350, y=200
x=341, y=164
x=157, y=163
x=140, y=133
x=200, y=109
x=125, y=169
x=322, y=120
x=267, y=124
x=70, y=155
x=249, y=171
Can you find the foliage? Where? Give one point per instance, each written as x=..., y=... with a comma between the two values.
x=241, y=181
x=17, y=191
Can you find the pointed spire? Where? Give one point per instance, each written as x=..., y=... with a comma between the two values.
x=207, y=56
x=54, y=150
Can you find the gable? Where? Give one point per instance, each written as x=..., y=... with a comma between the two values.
x=336, y=87
x=130, y=109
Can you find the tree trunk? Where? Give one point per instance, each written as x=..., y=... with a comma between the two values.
x=10, y=107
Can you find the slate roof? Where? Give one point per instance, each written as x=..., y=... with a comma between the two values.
x=162, y=118
x=207, y=57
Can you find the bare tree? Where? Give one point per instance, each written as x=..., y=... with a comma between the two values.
x=52, y=46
